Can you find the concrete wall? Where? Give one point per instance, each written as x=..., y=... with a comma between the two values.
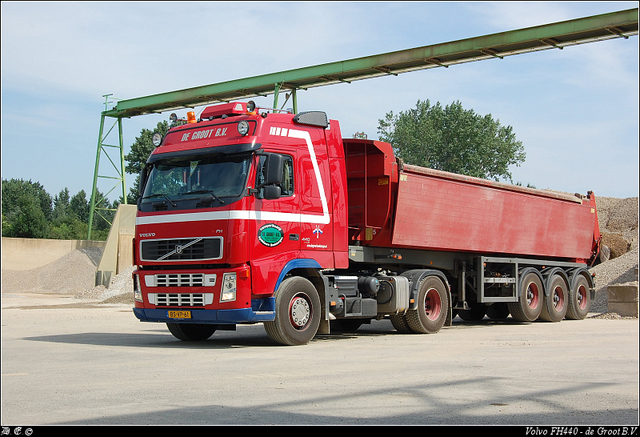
x=30, y=253
x=118, y=251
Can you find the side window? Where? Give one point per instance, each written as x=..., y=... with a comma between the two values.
x=287, y=187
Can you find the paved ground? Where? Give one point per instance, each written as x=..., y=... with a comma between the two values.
x=66, y=362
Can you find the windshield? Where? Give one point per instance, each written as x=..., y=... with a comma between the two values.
x=185, y=182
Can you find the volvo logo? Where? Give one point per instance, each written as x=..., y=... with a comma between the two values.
x=179, y=248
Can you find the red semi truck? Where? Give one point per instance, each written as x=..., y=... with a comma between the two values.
x=260, y=216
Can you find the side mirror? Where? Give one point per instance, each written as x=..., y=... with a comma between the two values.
x=272, y=192
x=273, y=167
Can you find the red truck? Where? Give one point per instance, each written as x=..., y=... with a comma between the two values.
x=261, y=216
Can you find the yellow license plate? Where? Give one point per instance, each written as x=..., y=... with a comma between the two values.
x=179, y=314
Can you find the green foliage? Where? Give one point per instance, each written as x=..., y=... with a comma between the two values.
x=26, y=218
x=29, y=212
x=452, y=139
x=13, y=189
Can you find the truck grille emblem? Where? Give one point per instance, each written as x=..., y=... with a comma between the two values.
x=202, y=248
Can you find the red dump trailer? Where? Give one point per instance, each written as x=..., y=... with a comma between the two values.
x=250, y=216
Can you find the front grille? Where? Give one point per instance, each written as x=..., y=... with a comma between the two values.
x=182, y=249
x=180, y=299
x=180, y=280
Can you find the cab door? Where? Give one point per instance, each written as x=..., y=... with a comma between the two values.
x=277, y=225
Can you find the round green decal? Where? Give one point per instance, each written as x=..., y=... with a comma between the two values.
x=270, y=235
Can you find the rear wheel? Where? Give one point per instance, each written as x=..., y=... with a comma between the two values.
x=431, y=309
x=297, y=312
x=529, y=305
x=555, y=305
x=579, y=299
x=191, y=332
x=399, y=321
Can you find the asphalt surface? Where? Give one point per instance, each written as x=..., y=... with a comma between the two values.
x=68, y=362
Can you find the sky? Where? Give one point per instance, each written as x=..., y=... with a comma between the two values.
x=575, y=110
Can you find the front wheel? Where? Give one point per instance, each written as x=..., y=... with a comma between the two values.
x=431, y=309
x=297, y=313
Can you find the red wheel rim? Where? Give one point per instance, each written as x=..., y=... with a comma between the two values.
x=558, y=298
x=299, y=312
x=581, y=295
x=533, y=296
x=432, y=304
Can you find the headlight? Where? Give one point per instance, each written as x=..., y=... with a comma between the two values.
x=243, y=127
x=137, y=291
x=228, y=289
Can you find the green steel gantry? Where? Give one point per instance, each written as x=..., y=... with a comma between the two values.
x=621, y=24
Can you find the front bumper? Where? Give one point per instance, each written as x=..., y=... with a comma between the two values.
x=204, y=297
x=262, y=310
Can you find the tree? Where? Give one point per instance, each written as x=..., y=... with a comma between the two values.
x=61, y=204
x=26, y=218
x=13, y=189
x=452, y=139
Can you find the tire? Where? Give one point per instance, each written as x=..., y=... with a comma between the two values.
x=579, y=299
x=191, y=332
x=297, y=313
x=431, y=309
x=474, y=314
x=399, y=321
x=498, y=311
x=529, y=305
x=555, y=304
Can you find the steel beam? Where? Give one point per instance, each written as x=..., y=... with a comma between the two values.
x=620, y=24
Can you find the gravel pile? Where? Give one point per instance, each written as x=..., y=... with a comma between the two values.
x=67, y=275
x=618, y=221
x=120, y=289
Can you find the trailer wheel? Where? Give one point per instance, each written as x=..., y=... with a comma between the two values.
x=297, y=313
x=191, y=332
x=579, y=299
x=431, y=309
x=498, y=311
x=555, y=305
x=529, y=305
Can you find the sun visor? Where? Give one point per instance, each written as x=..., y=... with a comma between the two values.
x=312, y=118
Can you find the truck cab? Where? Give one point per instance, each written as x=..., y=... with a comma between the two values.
x=230, y=206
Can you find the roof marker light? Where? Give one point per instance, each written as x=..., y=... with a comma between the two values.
x=156, y=139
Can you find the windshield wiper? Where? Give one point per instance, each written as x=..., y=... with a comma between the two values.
x=205, y=192
x=165, y=196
